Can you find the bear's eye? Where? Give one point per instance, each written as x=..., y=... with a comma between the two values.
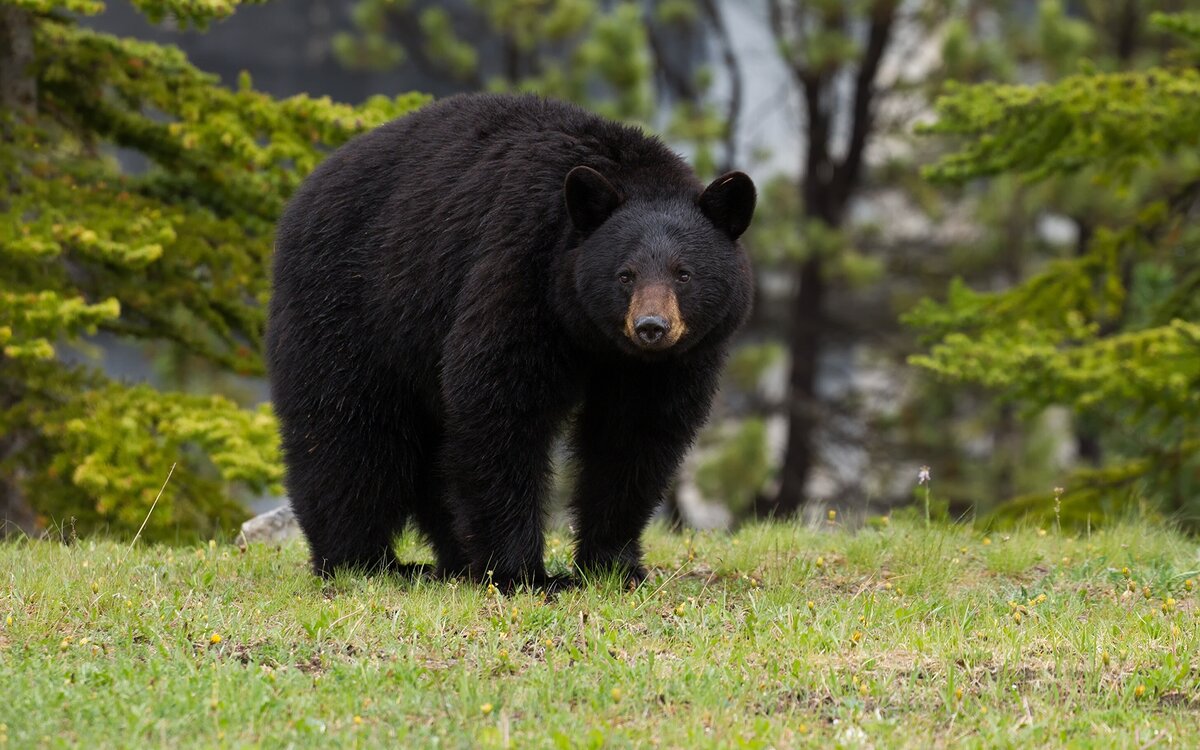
x=625, y=277
x=684, y=277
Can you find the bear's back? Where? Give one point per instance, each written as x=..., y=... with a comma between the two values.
x=469, y=165
x=373, y=249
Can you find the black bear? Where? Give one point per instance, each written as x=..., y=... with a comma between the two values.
x=453, y=287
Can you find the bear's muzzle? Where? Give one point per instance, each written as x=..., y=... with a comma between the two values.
x=653, y=321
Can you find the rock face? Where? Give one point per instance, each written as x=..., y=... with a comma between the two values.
x=273, y=527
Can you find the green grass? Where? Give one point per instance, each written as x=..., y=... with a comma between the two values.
x=777, y=636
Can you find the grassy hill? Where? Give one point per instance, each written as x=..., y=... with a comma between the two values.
x=777, y=636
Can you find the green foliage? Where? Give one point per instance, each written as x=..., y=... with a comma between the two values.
x=177, y=254
x=371, y=48
x=748, y=364
x=444, y=47
x=578, y=50
x=110, y=446
x=739, y=468
x=702, y=125
x=735, y=461
x=1062, y=39
x=1183, y=25
x=1113, y=123
x=195, y=13
x=782, y=235
x=1112, y=333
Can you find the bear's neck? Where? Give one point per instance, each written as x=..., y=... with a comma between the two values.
x=566, y=305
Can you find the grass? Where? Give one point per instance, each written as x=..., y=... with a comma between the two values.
x=777, y=636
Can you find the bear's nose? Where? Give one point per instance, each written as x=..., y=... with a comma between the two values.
x=651, y=328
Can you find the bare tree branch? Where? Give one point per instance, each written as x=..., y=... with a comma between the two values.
x=846, y=175
x=775, y=16
x=734, y=71
x=678, y=81
x=817, y=159
x=405, y=26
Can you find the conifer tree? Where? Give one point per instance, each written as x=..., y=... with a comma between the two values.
x=1112, y=333
x=176, y=254
x=576, y=50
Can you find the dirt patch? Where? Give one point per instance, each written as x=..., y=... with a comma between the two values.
x=244, y=653
x=313, y=665
x=1179, y=699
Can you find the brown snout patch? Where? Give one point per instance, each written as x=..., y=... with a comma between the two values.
x=655, y=301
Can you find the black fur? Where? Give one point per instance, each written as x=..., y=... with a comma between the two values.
x=438, y=315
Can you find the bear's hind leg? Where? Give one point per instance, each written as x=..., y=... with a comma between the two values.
x=432, y=512
x=349, y=495
x=436, y=523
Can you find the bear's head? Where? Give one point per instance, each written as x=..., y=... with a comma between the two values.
x=657, y=274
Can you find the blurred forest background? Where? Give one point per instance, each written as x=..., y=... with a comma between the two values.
x=975, y=243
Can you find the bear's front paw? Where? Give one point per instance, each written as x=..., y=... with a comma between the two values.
x=635, y=576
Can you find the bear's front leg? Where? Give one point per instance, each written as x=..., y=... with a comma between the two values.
x=505, y=389
x=637, y=422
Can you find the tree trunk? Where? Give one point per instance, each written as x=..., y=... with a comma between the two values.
x=733, y=69
x=16, y=515
x=828, y=185
x=1127, y=32
x=1087, y=436
x=805, y=346
x=1006, y=451
x=18, y=90
x=18, y=98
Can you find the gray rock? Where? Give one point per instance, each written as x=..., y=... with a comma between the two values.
x=274, y=527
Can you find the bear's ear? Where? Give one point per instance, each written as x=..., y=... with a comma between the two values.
x=729, y=203
x=590, y=198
